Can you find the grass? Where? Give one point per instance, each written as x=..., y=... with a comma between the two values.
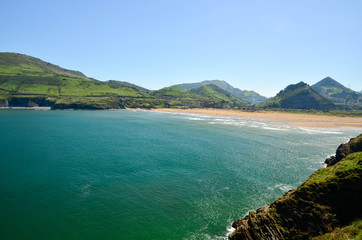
x=350, y=232
x=349, y=166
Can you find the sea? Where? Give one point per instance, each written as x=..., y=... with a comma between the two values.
x=147, y=175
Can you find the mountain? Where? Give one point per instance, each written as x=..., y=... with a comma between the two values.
x=127, y=84
x=175, y=97
x=28, y=81
x=336, y=92
x=328, y=200
x=250, y=96
x=206, y=96
x=299, y=96
x=219, y=97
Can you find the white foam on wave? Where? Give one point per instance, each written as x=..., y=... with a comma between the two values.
x=195, y=119
x=282, y=187
x=229, y=230
x=274, y=129
x=315, y=131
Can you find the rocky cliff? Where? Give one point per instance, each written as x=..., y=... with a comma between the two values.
x=330, y=198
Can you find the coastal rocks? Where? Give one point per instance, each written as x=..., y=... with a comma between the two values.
x=4, y=103
x=354, y=145
x=330, y=198
x=28, y=102
x=88, y=103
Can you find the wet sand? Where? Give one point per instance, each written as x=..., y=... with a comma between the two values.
x=299, y=119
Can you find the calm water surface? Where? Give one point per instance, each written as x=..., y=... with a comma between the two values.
x=146, y=175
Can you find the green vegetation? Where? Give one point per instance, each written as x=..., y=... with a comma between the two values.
x=27, y=81
x=219, y=98
x=329, y=199
x=209, y=96
x=127, y=84
x=353, y=231
x=298, y=96
x=249, y=96
x=338, y=94
x=175, y=97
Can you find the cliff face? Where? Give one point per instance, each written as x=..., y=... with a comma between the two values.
x=330, y=198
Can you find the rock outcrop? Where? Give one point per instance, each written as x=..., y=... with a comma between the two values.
x=330, y=198
x=354, y=145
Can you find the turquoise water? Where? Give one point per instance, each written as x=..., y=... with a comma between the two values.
x=146, y=175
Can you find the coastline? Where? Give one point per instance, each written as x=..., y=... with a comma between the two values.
x=298, y=119
x=27, y=108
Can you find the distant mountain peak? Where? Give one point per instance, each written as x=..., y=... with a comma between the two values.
x=336, y=92
x=299, y=96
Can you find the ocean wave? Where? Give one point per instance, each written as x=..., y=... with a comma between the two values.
x=274, y=129
x=315, y=131
x=282, y=187
x=229, y=230
x=195, y=119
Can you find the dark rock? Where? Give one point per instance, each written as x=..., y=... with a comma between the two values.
x=344, y=149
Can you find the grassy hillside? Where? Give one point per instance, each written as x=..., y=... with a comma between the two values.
x=209, y=96
x=28, y=81
x=298, y=96
x=329, y=199
x=219, y=97
x=353, y=231
x=131, y=85
x=175, y=97
x=250, y=96
x=337, y=93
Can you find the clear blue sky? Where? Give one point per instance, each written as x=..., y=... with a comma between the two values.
x=253, y=45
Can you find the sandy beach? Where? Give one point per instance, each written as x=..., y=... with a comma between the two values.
x=299, y=119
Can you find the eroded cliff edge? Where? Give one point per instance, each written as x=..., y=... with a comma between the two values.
x=330, y=198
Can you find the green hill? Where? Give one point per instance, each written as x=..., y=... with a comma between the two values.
x=219, y=98
x=299, y=96
x=337, y=93
x=28, y=81
x=209, y=96
x=131, y=85
x=175, y=97
x=250, y=96
x=330, y=199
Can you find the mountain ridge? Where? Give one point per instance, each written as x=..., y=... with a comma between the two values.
x=209, y=96
x=28, y=81
x=299, y=96
x=128, y=84
x=336, y=92
x=250, y=96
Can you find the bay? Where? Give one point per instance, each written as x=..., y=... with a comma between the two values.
x=146, y=175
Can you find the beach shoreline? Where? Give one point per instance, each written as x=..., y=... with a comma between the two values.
x=297, y=119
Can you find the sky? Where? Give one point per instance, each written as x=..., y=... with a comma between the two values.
x=251, y=44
